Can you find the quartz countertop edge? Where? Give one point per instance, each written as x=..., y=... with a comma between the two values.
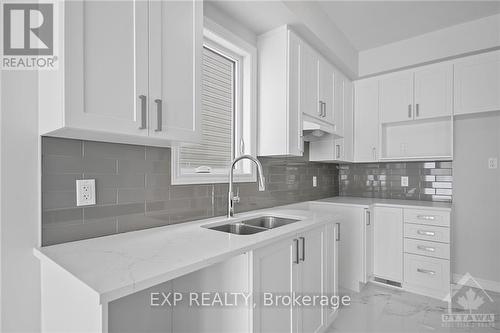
x=369, y=202
x=119, y=265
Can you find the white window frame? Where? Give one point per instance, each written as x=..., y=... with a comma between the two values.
x=220, y=39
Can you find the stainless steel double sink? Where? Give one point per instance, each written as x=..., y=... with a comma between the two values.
x=253, y=225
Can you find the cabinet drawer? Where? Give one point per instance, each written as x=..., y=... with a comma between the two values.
x=427, y=232
x=427, y=273
x=426, y=248
x=430, y=217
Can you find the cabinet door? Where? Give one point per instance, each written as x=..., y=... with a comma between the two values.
x=312, y=277
x=477, y=83
x=176, y=41
x=388, y=243
x=338, y=110
x=295, y=141
x=366, y=125
x=433, y=91
x=368, y=245
x=348, y=129
x=326, y=90
x=396, y=97
x=309, y=103
x=107, y=66
x=331, y=264
x=272, y=273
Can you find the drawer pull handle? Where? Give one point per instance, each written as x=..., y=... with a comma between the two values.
x=426, y=233
x=426, y=248
x=426, y=271
x=426, y=217
x=297, y=260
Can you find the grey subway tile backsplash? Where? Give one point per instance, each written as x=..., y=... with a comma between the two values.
x=430, y=181
x=134, y=191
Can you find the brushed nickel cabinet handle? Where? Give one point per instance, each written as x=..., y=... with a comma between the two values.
x=303, y=248
x=296, y=241
x=368, y=217
x=409, y=110
x=426, y=233
x=426, y=248
x=425, y=271
x=158, y=115
x=324, y=109
x=143, y=111
x=338, y=232
x=417, y=110
x=320, y=110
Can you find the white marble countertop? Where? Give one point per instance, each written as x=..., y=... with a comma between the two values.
x=367, y=202
x=118, y=265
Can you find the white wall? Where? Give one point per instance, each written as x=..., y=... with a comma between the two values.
x=465, y=38
x=212, y=12
x=318, y=29
x=19, y=202
x=476, y=197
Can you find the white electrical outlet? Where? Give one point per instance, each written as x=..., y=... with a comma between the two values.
x=404, y=181
x=315, y=181
x=492, y=163
x=85, y=192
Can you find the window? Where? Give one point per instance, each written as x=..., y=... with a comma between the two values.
x=227, y=115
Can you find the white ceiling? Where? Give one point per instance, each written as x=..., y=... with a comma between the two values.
x=368, y=24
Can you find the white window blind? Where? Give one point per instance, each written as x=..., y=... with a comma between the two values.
x=215, y=153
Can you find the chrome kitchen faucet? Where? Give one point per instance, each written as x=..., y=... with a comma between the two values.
x=232, y=199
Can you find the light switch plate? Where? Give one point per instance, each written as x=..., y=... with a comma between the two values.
x=404, y=181
x=315, y=181
x=85, y=192
x=492, y=163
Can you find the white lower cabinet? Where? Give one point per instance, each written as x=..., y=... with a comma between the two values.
x=411, y=246
x=304, y=265
x=354, y=248
x=427, y=252
x=388, y=243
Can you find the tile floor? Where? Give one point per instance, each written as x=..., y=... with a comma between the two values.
x=381, y=309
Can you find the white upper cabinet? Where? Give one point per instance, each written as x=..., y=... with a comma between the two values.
x=117, y=81
x=338, y=146
x=326, y=101
x=339, y=102
x=396, y=97
x=173, y=100
x=310, y=103
x=107, y=67
x=348, y=124
x=433, y=91
x=280, y=118
x=477, y=83
x=366, y=123
x=424, y=93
